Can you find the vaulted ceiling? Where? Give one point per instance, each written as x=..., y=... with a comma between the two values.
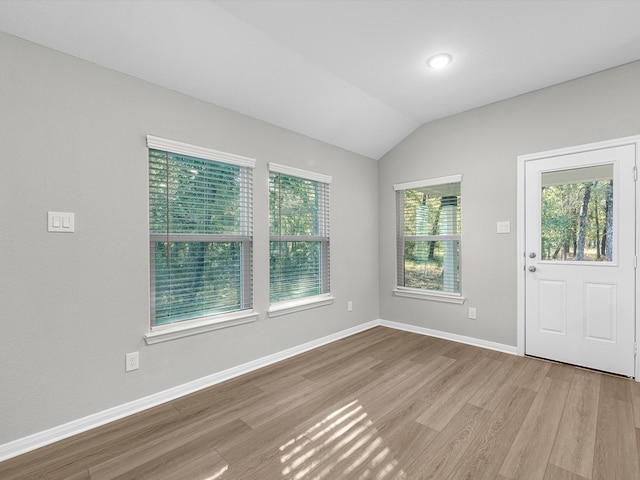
x=351, y=73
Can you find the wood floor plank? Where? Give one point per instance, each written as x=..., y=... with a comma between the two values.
x=638, y=443
x=573, y=448
x=402, y=346
x=491, y=443
x=345, y=442
x=457, y=393
x=449, y=447
x=222, y=399
x=192, y=460
x=81, y=475
x=156, y=451
x=528, y=457
x=533, y=374
x=557, y=473
x=431, y=391
x=434, y=348
x=407, y=439
x=382, y=404
x=277, y=403
x=350, y=452
x=616, y=452
x=282, y=429
x=344, y=350
x=635, y=398
x=461, y=351
x=561, y=372
x=491, y=391
x=329, y=370
x=382, y=395
x=75, y=455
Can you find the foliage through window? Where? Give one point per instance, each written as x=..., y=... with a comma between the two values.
x=200, y=214
x=577, y=214
x=429, y=235
x=299, y=234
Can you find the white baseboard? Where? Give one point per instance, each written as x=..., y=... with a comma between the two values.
x=55, y=434
x=477, y=342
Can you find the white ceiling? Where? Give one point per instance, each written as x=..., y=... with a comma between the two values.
x=351, y=73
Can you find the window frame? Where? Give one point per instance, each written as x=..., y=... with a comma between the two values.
x=401, y=238
x=324, y=237
x=203, y=323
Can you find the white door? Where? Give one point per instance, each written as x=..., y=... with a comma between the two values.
x=580, y=258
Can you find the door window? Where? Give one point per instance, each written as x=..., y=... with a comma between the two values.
x=577, y=214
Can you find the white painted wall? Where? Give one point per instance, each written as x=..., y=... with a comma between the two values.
x=483, y=145
x=72, y=138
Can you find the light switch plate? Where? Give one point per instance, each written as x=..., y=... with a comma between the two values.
x=61, y=222
x=503, y=227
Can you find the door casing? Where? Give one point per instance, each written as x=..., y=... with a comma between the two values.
x=520, y=232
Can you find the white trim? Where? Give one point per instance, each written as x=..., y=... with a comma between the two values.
x=283, y=308
x=164, y=333
x=200, y=152
x=637, y=245
x=587, y=147
x=297, y=172
x=521, y=253
x=55, y=434
x=428, y=183
x=520, y=229
x=429, y=295
x=476, y=342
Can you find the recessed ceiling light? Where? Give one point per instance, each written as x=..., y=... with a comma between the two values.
x=439, y=61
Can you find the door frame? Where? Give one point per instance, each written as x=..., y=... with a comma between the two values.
x=520, y=232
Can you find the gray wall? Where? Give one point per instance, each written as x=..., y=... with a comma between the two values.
x=72, y=138
x=482, y=145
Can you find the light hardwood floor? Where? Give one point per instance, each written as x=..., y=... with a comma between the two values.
x=383, y=404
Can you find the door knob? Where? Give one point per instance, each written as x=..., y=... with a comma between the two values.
x=532, y=254
x=532, y=268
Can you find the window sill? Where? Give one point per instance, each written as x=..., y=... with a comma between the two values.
x=283, y=308
x=165, y=333
x=434, y=296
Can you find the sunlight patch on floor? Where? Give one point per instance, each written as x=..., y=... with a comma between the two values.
x=345, y=444
x=218, y=474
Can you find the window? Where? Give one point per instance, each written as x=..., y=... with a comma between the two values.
x=200, y=219
x=299, y=236
x=577, y=215
x=428, y=239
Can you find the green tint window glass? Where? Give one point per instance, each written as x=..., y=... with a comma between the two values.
x=193, y=279
x=429, y=236
x=299, y=237
x=200, y=237
x=296, y=270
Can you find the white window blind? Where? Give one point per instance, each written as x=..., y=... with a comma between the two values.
x=200, y=218
x=299, y=233
x=429, y=235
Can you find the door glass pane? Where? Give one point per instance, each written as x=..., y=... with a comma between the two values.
x=577, y=214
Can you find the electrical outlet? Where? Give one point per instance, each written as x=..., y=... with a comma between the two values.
x=132, y=361
x=349, y=306
x=472, y=313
